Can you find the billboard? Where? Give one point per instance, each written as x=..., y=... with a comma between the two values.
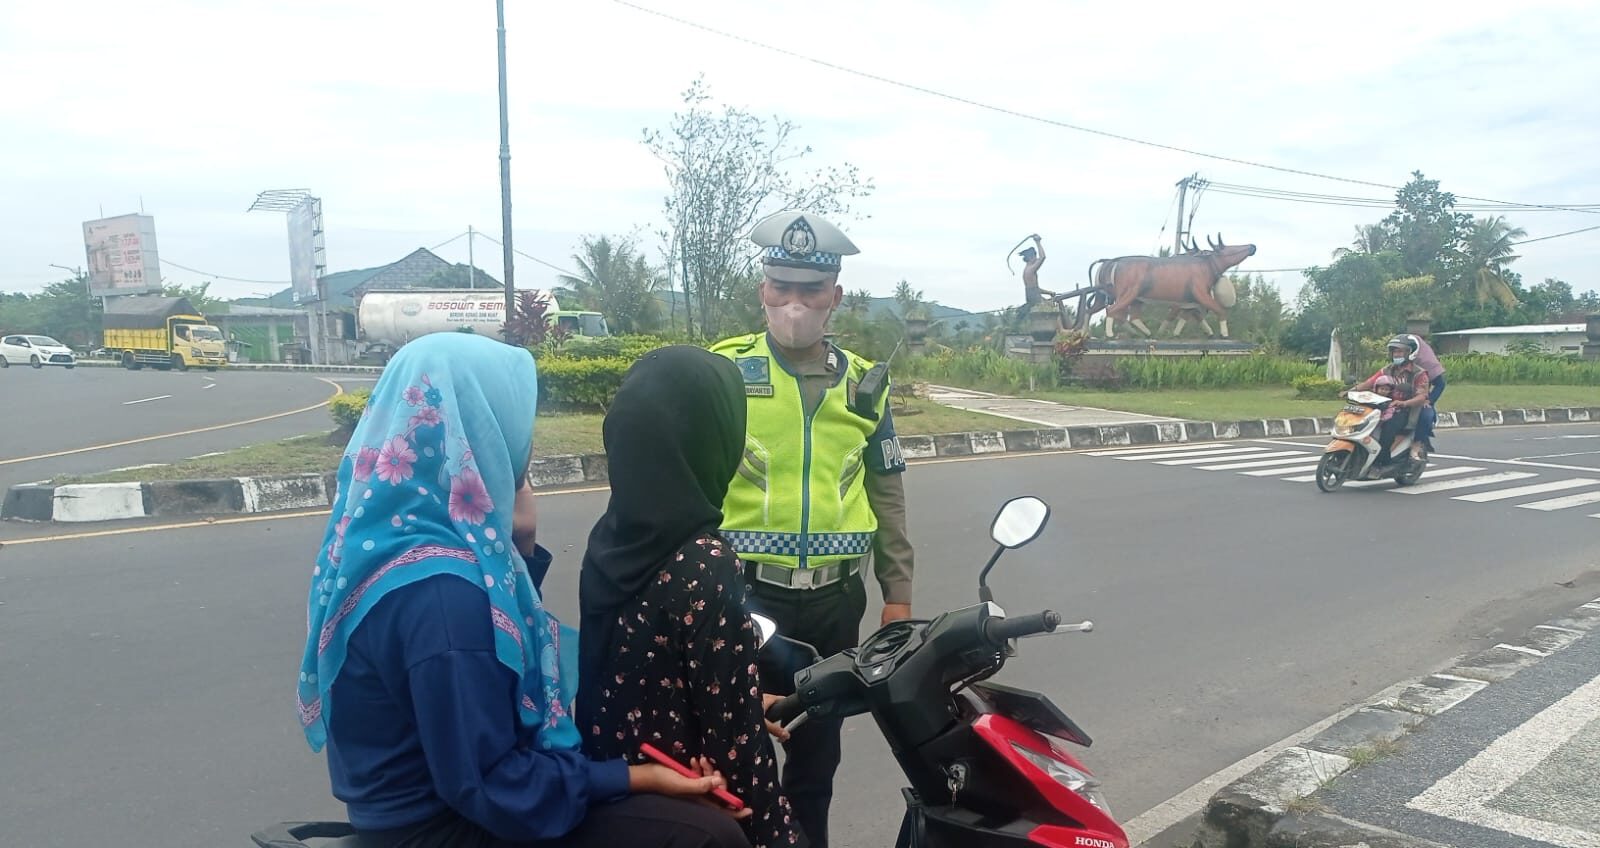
x=121, y=253
x=306, y=262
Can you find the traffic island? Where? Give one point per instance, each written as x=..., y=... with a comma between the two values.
x=105, y=501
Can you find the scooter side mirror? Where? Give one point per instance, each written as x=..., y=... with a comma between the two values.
x=1019, y=522
x=766, y=628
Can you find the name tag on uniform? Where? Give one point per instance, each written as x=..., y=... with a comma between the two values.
x=758, y=391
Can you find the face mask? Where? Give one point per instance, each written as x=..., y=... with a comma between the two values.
x=1398, y=360
x=796, y=326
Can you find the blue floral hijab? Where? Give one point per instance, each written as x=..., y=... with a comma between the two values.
x=426, y=488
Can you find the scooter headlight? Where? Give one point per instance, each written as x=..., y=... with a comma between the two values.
x=1083, y=784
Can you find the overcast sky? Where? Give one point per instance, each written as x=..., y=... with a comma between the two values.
x=388, y=111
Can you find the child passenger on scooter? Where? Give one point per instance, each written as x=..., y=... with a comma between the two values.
x=668, y=651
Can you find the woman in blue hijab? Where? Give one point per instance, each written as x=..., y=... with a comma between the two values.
x=434, y=676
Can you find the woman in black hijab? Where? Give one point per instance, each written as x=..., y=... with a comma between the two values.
x=667, y=650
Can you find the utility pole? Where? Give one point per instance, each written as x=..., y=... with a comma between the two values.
x=505, y=173
x=1183, y=191
x=472, y=268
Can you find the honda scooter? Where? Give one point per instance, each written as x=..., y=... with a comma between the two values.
x=1353, y=452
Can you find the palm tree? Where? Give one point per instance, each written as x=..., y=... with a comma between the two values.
x=615, y=280
x=1370, y=238
x=1488, y=251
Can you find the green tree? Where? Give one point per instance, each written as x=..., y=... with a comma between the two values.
x=1370, y=238
x=615, y=279
x=199, y=297
x=1426, y=231
x=725, y=170
x=1489, y=247
x=912, y=302
x=63, y=310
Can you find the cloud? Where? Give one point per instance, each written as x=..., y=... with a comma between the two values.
x=389, y=113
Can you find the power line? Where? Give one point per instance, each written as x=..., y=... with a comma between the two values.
x=1512, y=244
x=1556, y=236
x=955, y=98
x=1383, y=203
x=224, y=276
x=534, y=258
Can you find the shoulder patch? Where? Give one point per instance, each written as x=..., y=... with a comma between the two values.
x=754, y=369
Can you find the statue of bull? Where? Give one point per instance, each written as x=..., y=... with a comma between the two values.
x=1187, y=281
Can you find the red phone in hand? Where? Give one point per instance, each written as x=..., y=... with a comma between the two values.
x=728, y=798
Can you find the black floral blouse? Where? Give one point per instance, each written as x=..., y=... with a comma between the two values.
x=684, y=679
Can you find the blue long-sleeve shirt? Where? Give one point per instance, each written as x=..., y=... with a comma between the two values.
x=423, y=717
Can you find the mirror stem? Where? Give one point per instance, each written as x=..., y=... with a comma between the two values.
x=984, y=593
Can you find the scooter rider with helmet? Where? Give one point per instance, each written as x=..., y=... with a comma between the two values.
x=1411, y=387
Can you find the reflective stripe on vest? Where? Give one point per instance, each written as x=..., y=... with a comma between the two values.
x=799, y=498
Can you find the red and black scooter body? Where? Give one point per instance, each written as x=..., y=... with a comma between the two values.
x=986, y=762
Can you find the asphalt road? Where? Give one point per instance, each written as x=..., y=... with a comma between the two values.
x=53, y=410
x=147, y=675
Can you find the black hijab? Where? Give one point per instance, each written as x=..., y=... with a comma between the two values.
x=674, y=437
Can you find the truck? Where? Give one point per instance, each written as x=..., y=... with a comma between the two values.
x=388, y=318
x=161, y=332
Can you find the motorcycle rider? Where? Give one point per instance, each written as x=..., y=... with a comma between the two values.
x=1410, y=388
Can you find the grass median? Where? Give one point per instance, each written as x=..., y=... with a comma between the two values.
x=1257, y=403
x=555, y=434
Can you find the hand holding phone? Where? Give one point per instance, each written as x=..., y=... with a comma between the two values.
x=727, y=798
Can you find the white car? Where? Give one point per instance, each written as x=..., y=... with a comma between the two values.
x=37, y=351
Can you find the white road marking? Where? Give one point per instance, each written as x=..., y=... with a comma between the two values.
x=1278, y=472
x=1191, y=800
x=1159, y=449
x=208, y=386
x=1519, y=491
x=1213, y=453
x=1463, y=795
x=1522, y=462
x=1259, y=462
x=145, y=400
x=1466, y=482
x=1362, y=484
x=1580, y=499
x=1239, y=453
x=1522, y=649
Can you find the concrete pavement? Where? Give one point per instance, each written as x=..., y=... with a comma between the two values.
x=1047, y=413
x=147, y=674
x=1511, y=767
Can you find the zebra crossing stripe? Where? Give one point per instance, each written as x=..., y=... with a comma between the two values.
x=1465, y=482
x=1240, y=454
x=1215, y=452
x=1430, y=473
x=1519, y=491
x=1279, y=472
x=1580, y=499
x=1257, y=462
x=1154, y=450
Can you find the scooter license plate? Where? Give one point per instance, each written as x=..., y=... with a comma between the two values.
x=1355, y=410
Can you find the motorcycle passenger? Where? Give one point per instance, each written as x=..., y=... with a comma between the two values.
x=432, y=672
x=1429, y=361
x=1410, y=391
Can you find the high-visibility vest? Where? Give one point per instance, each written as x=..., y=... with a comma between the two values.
x=799, y=499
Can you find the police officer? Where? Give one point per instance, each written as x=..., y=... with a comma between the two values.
x=819, y=488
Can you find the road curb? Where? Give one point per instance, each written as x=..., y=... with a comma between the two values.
x=84, y=502
x=1266, y=808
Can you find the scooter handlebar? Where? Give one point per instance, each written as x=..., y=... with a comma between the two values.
x=1001, y=630
x=785, y=709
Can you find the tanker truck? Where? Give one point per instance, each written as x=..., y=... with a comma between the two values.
x=387, y=319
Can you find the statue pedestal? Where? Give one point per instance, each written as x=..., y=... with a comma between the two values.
x=1096, y=364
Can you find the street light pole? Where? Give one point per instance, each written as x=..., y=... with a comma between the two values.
x=505, y=173
x=77, y=274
